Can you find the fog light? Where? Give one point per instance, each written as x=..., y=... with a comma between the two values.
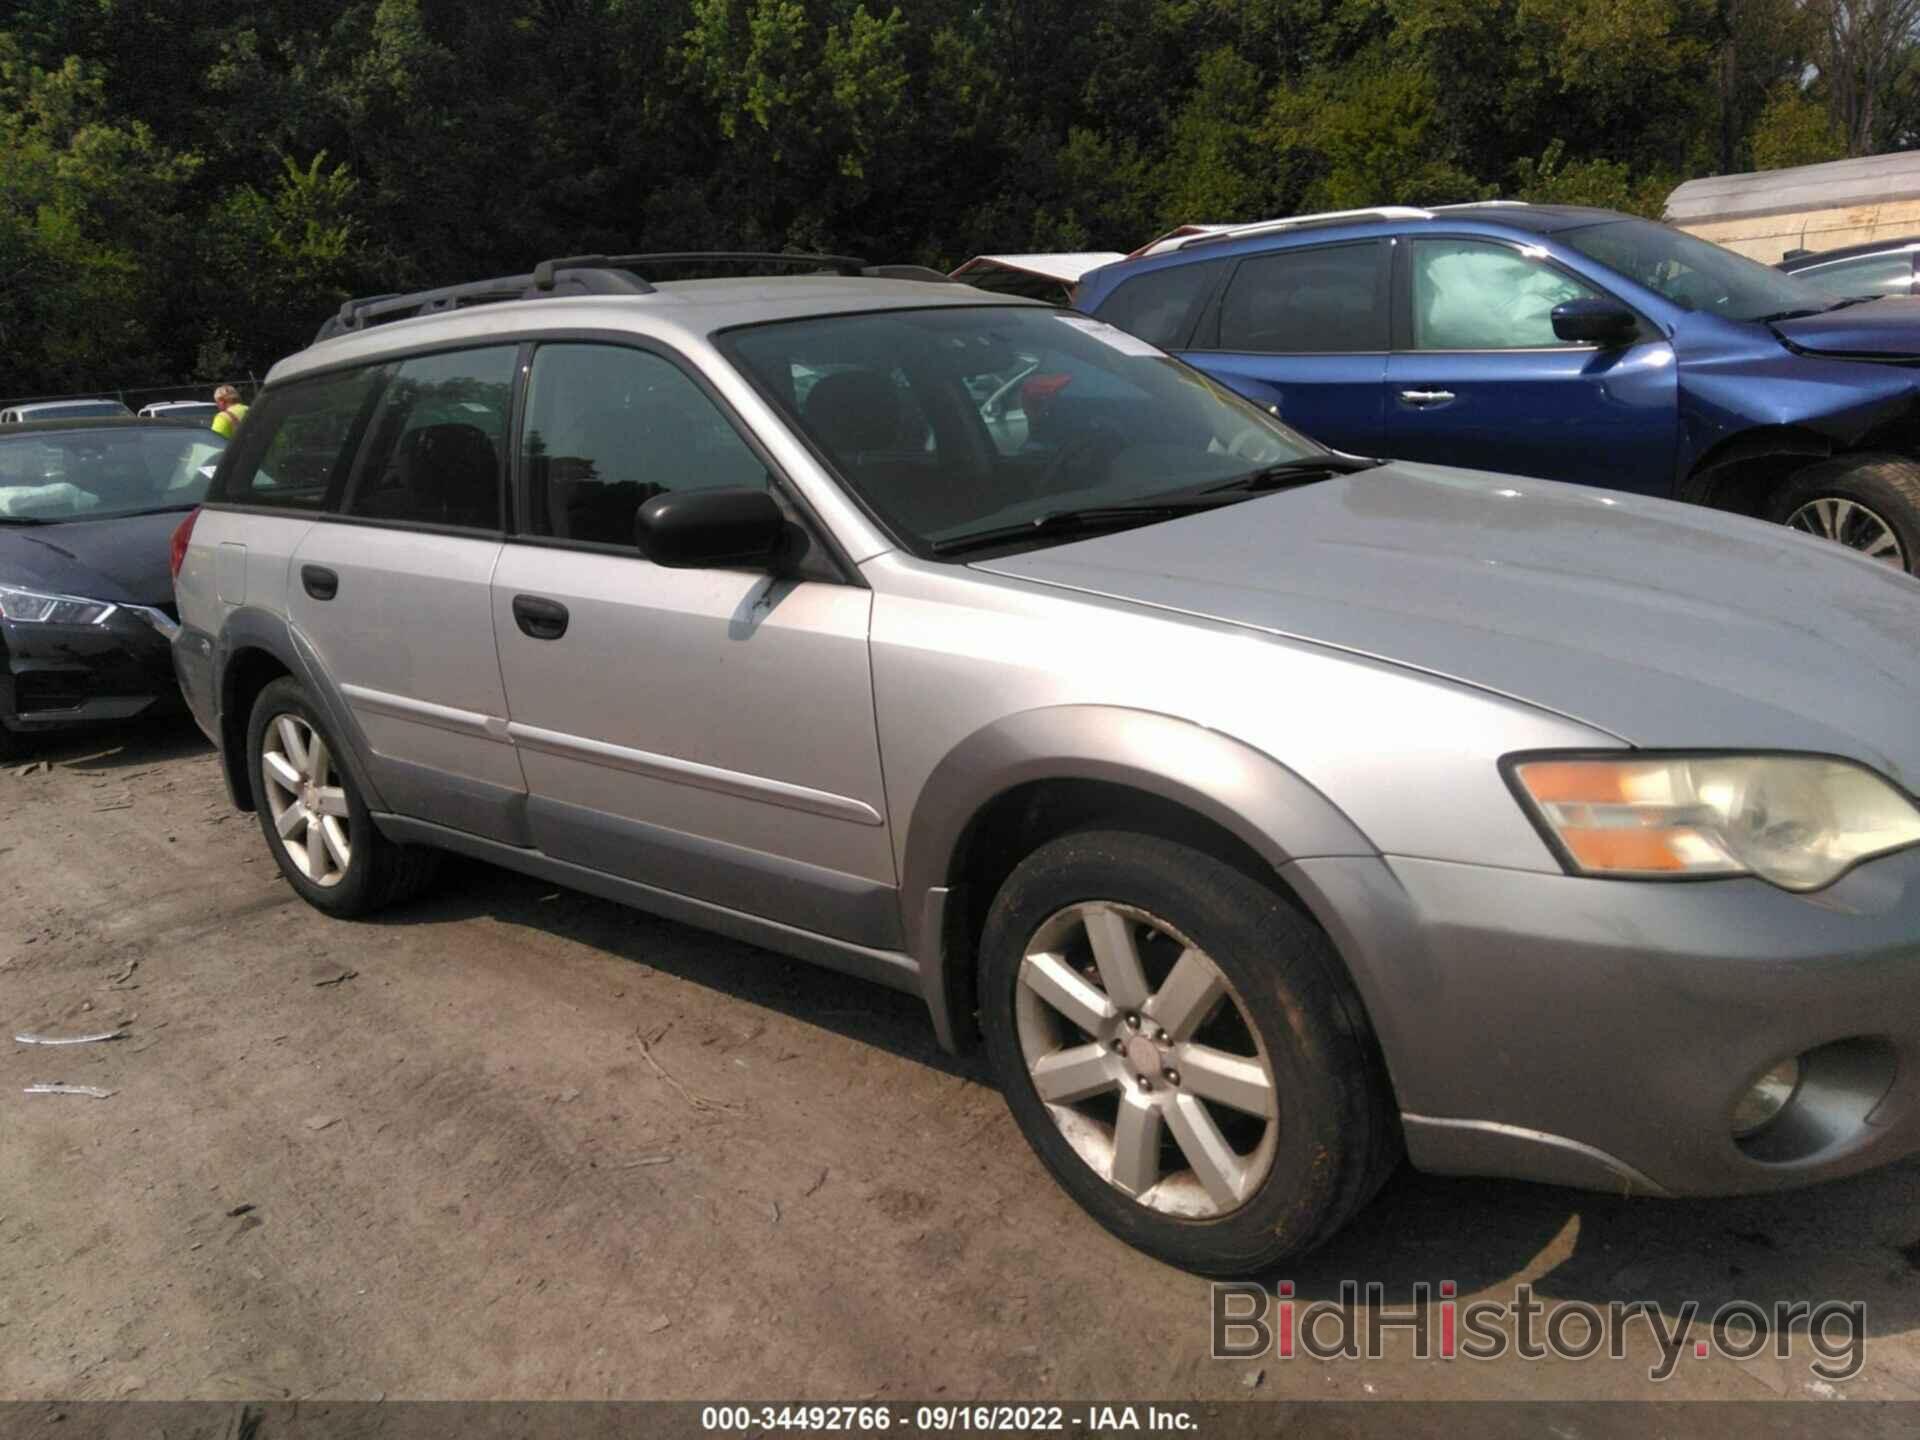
x=1769, y=1096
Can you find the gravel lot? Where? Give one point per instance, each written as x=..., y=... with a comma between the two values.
x=513, y=1141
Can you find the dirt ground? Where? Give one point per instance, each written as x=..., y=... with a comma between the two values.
x=515, y=1142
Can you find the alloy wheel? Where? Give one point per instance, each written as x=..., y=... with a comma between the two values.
x=306, y=799
x=1833, y=517
x=1147, y=1060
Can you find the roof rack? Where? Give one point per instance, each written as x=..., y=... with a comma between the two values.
x=1484, y=205
x=1188, y=236
x=583, y=275
x=1325, y=217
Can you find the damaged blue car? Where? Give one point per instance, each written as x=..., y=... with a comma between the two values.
x=1559, y=342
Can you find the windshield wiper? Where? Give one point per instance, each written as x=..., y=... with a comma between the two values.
x=1789, y=315
x=1084, y=520
x=23, y=520
x=1305, y=470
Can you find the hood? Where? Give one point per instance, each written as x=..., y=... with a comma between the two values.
x=1886, y=329
x=123, y=560
x=1666, y=625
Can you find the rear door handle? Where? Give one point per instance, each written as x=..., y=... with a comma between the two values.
x=1426, y=397
x=540, y=618
x=319, y=582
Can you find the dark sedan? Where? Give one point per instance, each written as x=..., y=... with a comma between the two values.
x=87, y=511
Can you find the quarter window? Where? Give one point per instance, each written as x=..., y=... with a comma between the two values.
x=298, y=441
x=434, y=454
x=1330, y=299
x=609, y=428
x=1474, y=295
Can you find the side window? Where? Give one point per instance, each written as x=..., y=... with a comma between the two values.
x=1161, y=306
x=1329, y=299
x=1869, y=275
x=300, y=441
x=608, y=428
x=1476, y=295
x=433, y=455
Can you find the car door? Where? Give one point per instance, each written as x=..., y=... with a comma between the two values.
x=707, y=732
x=1304, y=332
x=393, y=594
x=1479, y=379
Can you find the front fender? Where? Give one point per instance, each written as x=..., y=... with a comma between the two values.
x=1244, y=791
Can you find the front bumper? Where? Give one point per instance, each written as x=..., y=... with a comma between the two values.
x=56, y=676
x=1599, y=1033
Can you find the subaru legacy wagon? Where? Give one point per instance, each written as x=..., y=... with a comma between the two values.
x=1555, y=341
x=1271, y=814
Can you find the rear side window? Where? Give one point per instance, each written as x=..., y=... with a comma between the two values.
x=299, y=439
x=434, y=454
x=609, y=428
x=1161, y=306
x=1330, y=299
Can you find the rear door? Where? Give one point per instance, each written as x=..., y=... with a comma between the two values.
x=1304, y=332
x=1478, y=378
x=392, y=592
x=706, y=731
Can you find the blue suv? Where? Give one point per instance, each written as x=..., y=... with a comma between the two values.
x=1554, y=341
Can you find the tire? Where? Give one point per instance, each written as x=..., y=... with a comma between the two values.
x=376, y=871
x=1870, y=499
x=1282, y=1002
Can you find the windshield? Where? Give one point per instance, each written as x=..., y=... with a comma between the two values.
x=55, y=475
x=962, y=421
x=1694, y=273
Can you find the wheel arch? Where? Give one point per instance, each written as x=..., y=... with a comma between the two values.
x=1029, y=777
x=1743, y=472
x=257, y=647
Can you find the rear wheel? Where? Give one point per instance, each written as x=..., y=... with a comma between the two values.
x=1869, y=503
x=1183, y=1050
x=316, y=824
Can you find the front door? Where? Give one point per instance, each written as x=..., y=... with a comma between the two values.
x=707, y=732
x=1480, y=380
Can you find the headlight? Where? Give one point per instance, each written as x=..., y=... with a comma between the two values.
x=35, y=607
x=1799, y=821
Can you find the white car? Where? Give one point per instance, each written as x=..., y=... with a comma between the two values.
x=61, y=410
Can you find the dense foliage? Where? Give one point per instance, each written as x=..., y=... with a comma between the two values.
x=184, y=194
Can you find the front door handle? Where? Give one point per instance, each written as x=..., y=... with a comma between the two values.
x=540, y=618
x=1426, y=397
x=319, y=582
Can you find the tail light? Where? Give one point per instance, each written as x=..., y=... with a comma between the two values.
x=182, y=537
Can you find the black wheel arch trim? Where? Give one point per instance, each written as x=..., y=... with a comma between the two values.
x=1244, y=791
x=250, y=628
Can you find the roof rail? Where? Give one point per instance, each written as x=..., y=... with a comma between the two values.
x=579, y=275
x=1483, y=205
x=546, y=270
x=1326, y=217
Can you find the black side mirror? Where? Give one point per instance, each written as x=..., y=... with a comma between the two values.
x=1595, y=322
x=733, y=529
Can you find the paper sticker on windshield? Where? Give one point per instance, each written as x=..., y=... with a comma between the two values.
x=1110, y=336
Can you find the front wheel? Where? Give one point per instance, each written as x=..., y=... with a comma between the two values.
x=1184, y=1051
x=1869, y=503
x=316, y=825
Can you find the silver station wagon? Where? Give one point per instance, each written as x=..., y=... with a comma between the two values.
x=1272, y=814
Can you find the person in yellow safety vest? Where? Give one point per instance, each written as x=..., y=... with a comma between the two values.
x=232, y=412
